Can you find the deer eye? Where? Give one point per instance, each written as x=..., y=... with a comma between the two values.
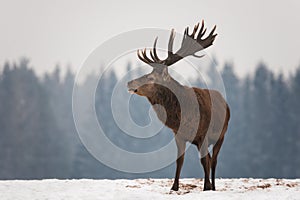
x=151, y=78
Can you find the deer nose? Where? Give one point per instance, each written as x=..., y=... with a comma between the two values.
x=129, y=83
x=132, y=84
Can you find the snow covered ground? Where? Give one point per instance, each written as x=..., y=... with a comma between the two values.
x=149, y=189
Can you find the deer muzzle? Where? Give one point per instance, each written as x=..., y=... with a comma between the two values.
x=132, y=87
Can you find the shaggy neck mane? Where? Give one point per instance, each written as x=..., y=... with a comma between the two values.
x=164, y=95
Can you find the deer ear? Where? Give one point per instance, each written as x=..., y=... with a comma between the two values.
x=165, y=74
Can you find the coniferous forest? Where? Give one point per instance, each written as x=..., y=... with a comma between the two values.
x=38, y=138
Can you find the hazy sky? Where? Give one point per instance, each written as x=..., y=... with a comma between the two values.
x=65, y=32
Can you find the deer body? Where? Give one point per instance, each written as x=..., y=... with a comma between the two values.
x=199, y=116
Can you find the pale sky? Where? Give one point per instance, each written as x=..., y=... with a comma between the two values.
x=65, y=32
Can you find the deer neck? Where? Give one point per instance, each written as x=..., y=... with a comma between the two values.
x=165, y=94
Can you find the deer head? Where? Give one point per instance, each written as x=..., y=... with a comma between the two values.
x=190, y=45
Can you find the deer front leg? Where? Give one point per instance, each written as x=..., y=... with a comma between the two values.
x=179, y=162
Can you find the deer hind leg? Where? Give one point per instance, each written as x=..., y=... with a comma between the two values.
x=214, y=158
x=206, y=164
x=179, y=162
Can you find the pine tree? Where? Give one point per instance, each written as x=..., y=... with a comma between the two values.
x=262, y=133
x=233, y=137
x=294, y=139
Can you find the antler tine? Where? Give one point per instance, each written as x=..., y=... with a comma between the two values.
x=184, y=35
x=202, y=26
x=152, y=56
x=141, y=55
x=201, y=32
x=195, y=30
x=212, y=31
x=187, y=31
x=171, y=41
x=198, y=56
x=154, y=50
x=144, y=52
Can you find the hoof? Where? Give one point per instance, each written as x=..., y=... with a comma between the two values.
x=207, y=186
x=174, y=188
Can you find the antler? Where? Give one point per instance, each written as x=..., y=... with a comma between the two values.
x=191, y=44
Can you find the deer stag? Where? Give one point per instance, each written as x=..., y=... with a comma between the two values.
x=209, y=126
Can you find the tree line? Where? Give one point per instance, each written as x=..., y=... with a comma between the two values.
x=38, y=138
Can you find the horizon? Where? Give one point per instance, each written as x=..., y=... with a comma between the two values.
x=187, y=74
